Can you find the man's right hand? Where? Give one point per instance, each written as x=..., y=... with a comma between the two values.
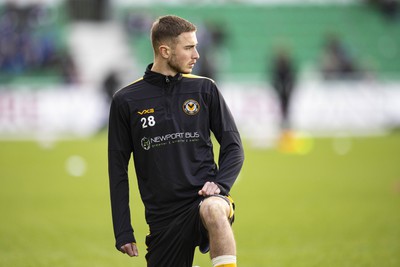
x=130, y=249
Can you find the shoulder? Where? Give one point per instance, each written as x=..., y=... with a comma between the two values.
x=203, y=84
x=128, y=89
x=198, y=78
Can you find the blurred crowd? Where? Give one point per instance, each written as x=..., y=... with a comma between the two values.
x=28, y=43
x=389, y=8
x=30, y=40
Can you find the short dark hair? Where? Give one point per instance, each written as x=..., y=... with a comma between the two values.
x=168, y=28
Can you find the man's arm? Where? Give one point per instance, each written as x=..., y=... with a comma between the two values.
x=231, y=155
x=119, y=153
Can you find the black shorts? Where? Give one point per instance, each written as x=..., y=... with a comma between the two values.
x=174, y=245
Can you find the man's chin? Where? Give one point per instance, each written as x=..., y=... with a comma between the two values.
x=187, y=71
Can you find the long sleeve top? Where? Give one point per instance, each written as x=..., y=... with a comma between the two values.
x=166, y=123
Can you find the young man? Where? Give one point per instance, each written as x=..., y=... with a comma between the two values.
x=165, y=119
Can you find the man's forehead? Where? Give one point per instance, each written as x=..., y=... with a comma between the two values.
x=187, y=38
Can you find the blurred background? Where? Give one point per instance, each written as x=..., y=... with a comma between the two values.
x=314, y=87
x=321, y=67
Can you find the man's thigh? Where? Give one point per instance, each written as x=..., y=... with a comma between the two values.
x=174, y=245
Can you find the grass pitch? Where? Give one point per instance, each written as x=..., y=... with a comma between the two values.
x=331, y=206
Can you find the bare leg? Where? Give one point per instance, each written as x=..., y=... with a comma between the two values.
x=214, y=213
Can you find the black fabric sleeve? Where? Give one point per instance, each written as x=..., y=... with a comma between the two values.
x=231, y=154
x=119, y=153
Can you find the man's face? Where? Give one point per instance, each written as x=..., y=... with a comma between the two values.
x=184, y=53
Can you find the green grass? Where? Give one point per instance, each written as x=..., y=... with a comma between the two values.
x=317, y=209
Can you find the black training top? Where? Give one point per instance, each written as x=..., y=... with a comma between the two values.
x=166, y=122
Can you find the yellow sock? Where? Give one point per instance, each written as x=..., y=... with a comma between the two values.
x=224, y=261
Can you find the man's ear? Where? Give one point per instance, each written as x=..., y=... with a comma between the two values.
x=165, y=51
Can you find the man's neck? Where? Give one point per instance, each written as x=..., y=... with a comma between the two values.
x=160, y=68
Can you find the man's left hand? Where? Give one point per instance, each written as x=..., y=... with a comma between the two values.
x=209, y=189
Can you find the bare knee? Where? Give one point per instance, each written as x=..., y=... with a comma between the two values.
x=214, y=212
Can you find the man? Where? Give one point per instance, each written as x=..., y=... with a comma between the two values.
x=165, y=119
x=284, y=81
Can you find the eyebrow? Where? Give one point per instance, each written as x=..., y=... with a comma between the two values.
x=190, y=45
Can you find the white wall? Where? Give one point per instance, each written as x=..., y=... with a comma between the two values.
x=319, y=108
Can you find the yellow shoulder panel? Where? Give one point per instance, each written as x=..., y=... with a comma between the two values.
x=137, y=80
x=196, y=77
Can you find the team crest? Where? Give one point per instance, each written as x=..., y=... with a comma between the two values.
x=191, y=107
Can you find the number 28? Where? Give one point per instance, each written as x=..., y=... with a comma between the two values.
x=148, y=122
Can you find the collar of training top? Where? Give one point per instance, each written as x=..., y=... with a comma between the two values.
x=159, y=79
